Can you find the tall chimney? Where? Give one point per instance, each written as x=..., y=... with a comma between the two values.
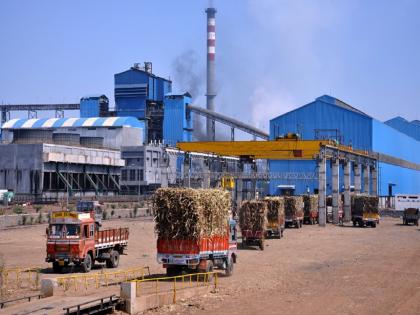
x=211, y=56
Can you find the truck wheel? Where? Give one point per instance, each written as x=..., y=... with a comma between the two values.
x=373, y=224
x=261, y=245
x=354, y=223
x=114, y=260
x=361, y=223
x=57, y=268
x=417, y=222
x=87, y=263
x=172, y=271
x=296, y=224
x=229, y=267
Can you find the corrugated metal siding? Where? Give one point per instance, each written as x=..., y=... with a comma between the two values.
x=89, y=108
x=411, y=129
x=278, y=167
x=407, y=181
x=389, y=141
x=175, y=124
x=354, y=128
x=73, y=122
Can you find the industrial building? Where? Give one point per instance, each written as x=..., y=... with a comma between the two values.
x=46, y=170
x=332, y=119
x=98, y=132
x=139, y=93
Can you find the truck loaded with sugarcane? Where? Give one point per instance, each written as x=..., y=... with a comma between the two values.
x=365, y=210
x=194, y=229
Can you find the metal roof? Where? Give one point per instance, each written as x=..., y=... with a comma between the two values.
x=73, y=122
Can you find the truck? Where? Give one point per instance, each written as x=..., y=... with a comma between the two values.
x=365, y=210
x=88, y=206
x=411, y=215
x=293, y=210
x=73, y=238
x=200, y=254
x=275, y=229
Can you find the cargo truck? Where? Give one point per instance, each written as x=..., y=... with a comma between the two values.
x=73, y=237
x=294, y=216
x=411, y=215
x=201, y=254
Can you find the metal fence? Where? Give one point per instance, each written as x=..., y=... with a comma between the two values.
x=96, y=280
x=19, y=278
x=176, y=283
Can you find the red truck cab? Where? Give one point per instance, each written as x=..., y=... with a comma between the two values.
x=73, y=237
x=200, y=254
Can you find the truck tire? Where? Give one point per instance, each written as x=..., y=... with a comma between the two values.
x=114, y=260
x=172, y=271
x=297, y=224
x=87, y=263
x=417, y=222
x=261, y=245
x=56, y=267
x=361, y=223
x=354, y=223
x=229, y=267
x=373, y=224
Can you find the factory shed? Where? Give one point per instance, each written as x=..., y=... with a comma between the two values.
x=99, y=132
x=333, y=119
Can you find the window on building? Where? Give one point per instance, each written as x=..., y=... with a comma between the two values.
x=141, y=175
x=132, y=175
x=124, y=175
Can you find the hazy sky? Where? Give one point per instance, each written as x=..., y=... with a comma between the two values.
x=272, y=55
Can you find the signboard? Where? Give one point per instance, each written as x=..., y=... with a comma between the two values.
x=64, y=215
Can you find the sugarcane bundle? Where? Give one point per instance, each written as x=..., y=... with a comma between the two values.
x=185, y=213
x=310, y=204
x=252, y=215
x=275, y=209
x=293, y=205
x=362, y=203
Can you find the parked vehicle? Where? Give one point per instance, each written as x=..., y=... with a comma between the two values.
x=201, y=254
x=73, y=237
x=253, y=238
x=411, y=215
x=275, y=229
x=89, y=206
x=293, y=210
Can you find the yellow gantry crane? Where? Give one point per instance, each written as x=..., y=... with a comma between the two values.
x=280, y=149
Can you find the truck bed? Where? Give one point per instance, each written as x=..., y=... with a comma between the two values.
x=111, y=237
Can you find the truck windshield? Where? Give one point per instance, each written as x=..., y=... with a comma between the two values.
x=64, y=230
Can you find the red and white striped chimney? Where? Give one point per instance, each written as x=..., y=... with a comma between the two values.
x=211, y=80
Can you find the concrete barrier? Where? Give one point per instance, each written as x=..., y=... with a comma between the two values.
x=48, y=286
x=135, y=304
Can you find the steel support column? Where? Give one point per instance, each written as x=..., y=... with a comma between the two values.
x=374, y=177
x=357, y=179
x=322, y=181
x=366, y=179
x=347, y=206
x=335, y=189
x=232, y=134
x=187, y=163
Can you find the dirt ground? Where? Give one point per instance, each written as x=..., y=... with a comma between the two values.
x=313, y=270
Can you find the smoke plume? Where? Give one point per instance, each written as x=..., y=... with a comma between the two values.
x=188, y=76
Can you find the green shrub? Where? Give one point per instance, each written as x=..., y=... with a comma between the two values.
x=18, y=210
x=113, y=206
x=37, y=208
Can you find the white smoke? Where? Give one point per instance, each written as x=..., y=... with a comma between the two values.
x=267, y=103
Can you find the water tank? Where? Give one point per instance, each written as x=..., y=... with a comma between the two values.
x=92, y=142
x=72, y=139
x=28, y=136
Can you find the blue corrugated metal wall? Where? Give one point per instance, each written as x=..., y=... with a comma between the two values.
x=354, y=128
x=133, y=88
x=89, y=107
x=387, y=140
x=177, y=121
x=411, y=129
